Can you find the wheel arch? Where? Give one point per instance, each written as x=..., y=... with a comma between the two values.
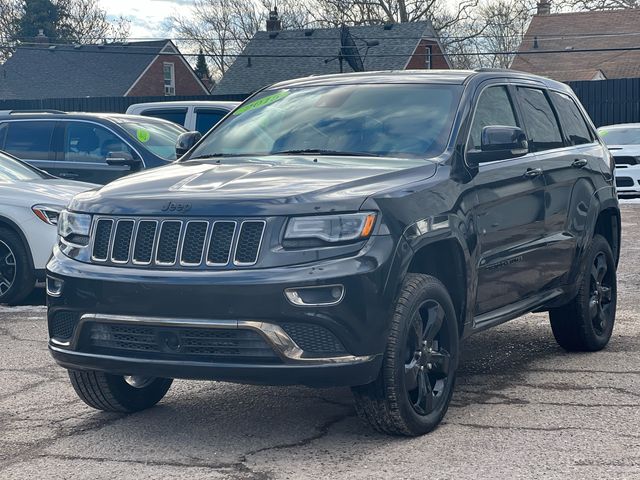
x=608, y=225
x=445, y=259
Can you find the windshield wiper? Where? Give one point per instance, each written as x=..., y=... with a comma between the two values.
x=319, y=151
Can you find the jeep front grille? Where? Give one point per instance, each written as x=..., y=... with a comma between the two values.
x=176, y=243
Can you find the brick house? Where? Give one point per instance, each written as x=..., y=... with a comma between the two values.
x=276, y=55
x=153, y=68
x=572, y=35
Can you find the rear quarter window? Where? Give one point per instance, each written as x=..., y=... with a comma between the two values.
x=29, y=140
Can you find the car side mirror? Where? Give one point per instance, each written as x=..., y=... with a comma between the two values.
x=499, y=143
x=124, y=159
x=186, y=141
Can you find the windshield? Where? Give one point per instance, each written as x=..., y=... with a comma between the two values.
x=156, y=136
x=620, y=136
x=12, y=170
x=391, y=120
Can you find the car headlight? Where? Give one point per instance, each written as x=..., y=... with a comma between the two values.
x=47, y=213
x=74, y=227
x=331, y=228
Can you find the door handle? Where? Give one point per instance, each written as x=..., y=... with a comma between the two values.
x=579, y=162
x=533, y=172
x=68, y=175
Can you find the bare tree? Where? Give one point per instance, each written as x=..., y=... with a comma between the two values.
x=590, y=5
x=84, y=21
x=222, y=28
x=10, y=11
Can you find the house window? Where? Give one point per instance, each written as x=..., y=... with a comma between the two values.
x=427, y=58
x=169, y=79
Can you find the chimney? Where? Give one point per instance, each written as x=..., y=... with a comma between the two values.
x=544, y=7
x=41, y=38
x=273, y=22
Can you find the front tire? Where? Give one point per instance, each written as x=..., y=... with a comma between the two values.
x=586, y=323
x=17, y=278
x=117, y=393
x=412, y=392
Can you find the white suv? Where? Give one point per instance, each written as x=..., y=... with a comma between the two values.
x=199, y=116
x=30, y=202
x=623, y=141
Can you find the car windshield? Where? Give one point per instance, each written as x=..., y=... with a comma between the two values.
x=12, y=170
x=388, y=120
x=156, y=136
x=620, y=136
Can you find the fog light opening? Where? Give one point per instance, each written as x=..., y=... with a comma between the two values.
x=54, y=286
x=322, y=296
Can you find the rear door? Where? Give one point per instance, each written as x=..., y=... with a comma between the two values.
x=569, y=171
x=83, y=153
x=207, y=118
x=509, y=213
x=31, y=141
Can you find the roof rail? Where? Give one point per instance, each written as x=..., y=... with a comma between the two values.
x=26, y=112
x=487, y=69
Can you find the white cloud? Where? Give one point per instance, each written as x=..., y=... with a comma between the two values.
x=148, y=17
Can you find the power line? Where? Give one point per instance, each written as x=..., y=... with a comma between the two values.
x=330, y=54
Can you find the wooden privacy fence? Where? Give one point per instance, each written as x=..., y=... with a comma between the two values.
x=607, y=101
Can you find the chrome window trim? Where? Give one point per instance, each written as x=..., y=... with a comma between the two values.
x=231, y=247
x=175, y=258
x=153, y=245
x=115, y=231
x=204, y=244
x=94, y=228
x=235, y=249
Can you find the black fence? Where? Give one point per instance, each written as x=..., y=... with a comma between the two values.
x=100, y=104
x=607, y=101
x=610, y=101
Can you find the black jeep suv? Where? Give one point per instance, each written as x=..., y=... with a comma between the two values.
x=343, y=230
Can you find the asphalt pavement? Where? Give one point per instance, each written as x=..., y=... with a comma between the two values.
x=523, y=409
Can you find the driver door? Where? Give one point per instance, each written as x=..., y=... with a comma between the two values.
x=83, y=153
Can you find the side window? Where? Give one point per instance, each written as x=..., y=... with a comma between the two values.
x=207, y=119
x=29, y=140
x=573, y=124
x=494, y=108
x=86, y=142
x=175, y=115
x=540, y=120
x=3, y=133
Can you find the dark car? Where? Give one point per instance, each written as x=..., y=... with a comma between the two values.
x=343, y=230
x=91, y=147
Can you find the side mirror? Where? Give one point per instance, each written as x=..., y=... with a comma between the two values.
x=499, y=143
x=124, y=159
x=186, y=141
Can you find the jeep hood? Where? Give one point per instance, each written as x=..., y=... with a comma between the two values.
x=254, y=186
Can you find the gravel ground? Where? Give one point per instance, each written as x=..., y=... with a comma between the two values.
x=523, y=408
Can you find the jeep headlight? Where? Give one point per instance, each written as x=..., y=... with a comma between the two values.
x=331, y=228
x=74, y=227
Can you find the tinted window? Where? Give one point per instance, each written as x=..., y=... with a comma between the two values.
x=409, y=121
x=175, y=115
x=542, y=126
x=573, y=124
x=206, y=119
x=86, y=142
x=494, y=109
x=29, y=140
x=14, y=171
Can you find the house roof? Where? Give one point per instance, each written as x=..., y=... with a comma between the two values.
x=579, y=31
x=322, y=44
x=68, y=71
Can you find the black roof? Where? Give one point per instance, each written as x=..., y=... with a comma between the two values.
x=276, y=56
x=68, y=71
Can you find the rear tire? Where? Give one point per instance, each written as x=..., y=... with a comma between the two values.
x=586, y=323
x=412, y=392
x=113, y=393
x=17, y=278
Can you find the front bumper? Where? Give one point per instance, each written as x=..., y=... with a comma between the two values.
x=628, y=180
x=231, y=300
